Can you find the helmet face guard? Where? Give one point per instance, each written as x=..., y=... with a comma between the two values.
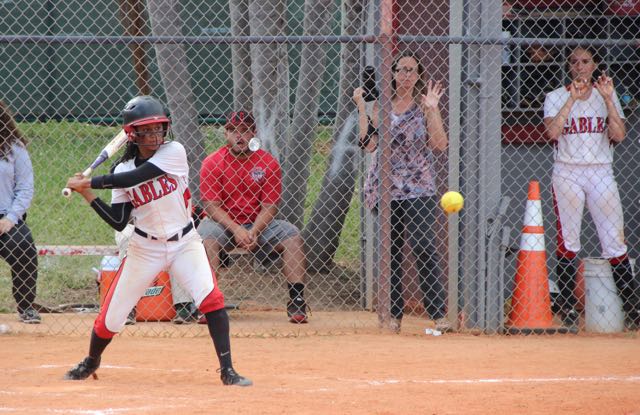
x=143, y=110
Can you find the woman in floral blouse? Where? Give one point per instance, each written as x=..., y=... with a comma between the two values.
x=416, y=131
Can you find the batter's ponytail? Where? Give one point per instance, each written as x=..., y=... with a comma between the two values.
x=130, y=152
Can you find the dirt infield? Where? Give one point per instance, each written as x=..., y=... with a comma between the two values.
x=359, y=373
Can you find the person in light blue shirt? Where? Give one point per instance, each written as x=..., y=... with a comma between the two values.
x=16, y=191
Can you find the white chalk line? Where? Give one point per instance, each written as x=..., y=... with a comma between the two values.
x=107, y=411
x=482, y=381
x=69, y=366
x=374, y=383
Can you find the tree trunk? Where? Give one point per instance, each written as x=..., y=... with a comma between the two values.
x=241, y=56
x=172, y=62
x=133, y=20
x=318, y=20
x=322, y=233
x=269, y=66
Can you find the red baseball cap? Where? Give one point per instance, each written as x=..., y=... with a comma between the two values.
x=237, y=118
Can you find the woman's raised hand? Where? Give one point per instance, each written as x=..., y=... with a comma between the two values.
x=435, y=90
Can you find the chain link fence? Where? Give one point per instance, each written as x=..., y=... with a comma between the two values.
x=362, y=192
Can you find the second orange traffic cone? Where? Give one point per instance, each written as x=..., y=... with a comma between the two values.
x=531, y=302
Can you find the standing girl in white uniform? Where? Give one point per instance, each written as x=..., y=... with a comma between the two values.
x=150, y=184
x=585, y=119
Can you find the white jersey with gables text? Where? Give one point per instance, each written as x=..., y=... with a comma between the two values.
x=584, y=139
x=161, y=206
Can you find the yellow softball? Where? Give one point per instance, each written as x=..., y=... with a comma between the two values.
x=452, y=202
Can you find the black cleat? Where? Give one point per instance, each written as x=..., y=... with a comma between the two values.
x=84, y=369
x=230, y=377
x=632, y=322
x=297, y=311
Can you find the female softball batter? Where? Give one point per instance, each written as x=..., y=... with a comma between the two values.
x=585, y=119
x=150, y=184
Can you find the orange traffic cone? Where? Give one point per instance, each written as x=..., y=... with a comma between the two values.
x=531, y=302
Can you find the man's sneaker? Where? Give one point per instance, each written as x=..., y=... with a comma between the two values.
x=297, y=311
x=131, y=318
x=443, y=325
x=570, y=318
x=230, y=377
x=185, y=313
x=84, y=369
x=30, y=316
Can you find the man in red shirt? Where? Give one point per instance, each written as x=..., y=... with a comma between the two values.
x=240, y=191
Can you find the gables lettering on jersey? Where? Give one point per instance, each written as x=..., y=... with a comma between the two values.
x=582, y=125
x=152, y=190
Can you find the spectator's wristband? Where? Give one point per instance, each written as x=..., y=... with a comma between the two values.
x=371, y=130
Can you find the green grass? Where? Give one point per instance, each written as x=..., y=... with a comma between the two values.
x=57, y=150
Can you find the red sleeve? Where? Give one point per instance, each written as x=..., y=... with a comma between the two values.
x=210, y=179
x=273, y=185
